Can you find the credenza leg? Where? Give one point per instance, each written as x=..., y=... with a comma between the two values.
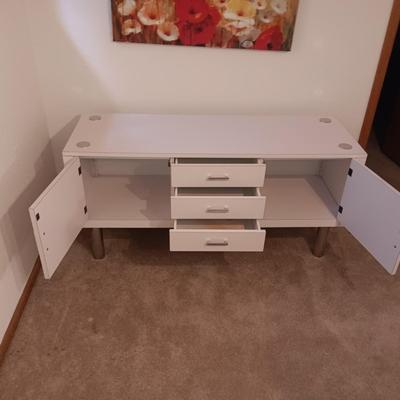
x=98, y=243
x=320, y=242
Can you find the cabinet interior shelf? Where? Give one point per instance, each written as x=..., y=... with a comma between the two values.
x=144, y=201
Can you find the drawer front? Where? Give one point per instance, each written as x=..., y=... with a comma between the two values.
x=216, y=240
x=218, y=175
x=217, y=207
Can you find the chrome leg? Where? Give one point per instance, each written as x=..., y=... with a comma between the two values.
x=98, y=243
x=320, y=242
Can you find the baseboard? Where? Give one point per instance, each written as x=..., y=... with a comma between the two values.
x=12, y=326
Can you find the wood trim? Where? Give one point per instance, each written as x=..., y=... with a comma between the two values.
x=380, y=73
x=12, y=326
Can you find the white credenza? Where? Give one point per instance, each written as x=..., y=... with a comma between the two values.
x=216, y=182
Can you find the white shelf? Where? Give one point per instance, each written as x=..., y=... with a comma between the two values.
x=298, y=201
x=141, y=201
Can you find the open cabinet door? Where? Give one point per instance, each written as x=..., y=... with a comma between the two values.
x=370, y=210
x=58, y=215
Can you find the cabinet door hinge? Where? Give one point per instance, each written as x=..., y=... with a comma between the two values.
x=85, y=209
x=350, y=172
x=340, y=210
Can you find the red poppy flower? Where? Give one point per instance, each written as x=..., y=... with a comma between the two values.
x=193, y=11
x=200, y=33
x=270, y=39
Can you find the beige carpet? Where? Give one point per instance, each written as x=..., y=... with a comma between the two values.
x=148, y=324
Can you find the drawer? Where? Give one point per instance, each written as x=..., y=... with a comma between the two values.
x=206, y=172
x=216, y=235
x=217, y=203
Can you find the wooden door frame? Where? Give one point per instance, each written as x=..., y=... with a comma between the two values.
x=23, y=300
x=380, y=73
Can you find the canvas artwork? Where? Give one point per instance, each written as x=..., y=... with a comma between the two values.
x=242, y=24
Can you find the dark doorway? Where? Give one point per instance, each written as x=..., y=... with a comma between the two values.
x=384, y=141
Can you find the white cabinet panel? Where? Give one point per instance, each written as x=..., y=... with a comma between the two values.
x=58, y=215
x=371, y=212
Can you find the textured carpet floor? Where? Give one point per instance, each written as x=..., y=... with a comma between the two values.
x=149, y=324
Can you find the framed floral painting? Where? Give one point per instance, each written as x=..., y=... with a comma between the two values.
x=244, y=24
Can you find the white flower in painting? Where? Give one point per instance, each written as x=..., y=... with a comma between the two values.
x=249, y=33
x=260, y=4
x=150, y=14
x=242, y=33
x=279, y=6
x=131, y=26
x=246, y=44
x=247, y=37
x=244, y=23
x=127, y=7
x=266, y=16
x=168, y=31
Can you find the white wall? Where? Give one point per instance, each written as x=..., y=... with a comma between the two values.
x=26, y=163
x=329, y=70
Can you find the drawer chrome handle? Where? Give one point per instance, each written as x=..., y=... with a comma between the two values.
x=223, y=209
x=224, y=177
x=217, y=242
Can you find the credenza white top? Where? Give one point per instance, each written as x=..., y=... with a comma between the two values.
x=242, y=136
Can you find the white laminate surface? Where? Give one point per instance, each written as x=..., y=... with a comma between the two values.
x=216, y=235
x=208, y=204
x=371, y=212
x=226, y=136
x=298, y=201
x=58, y=215
x=141, y=201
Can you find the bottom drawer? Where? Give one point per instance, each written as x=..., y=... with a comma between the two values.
x=216, y=235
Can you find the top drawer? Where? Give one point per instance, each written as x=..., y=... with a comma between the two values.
x=209, y=172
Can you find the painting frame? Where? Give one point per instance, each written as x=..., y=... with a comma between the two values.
x=235, y=24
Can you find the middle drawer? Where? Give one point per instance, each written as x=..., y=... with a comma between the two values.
x=217, y=203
